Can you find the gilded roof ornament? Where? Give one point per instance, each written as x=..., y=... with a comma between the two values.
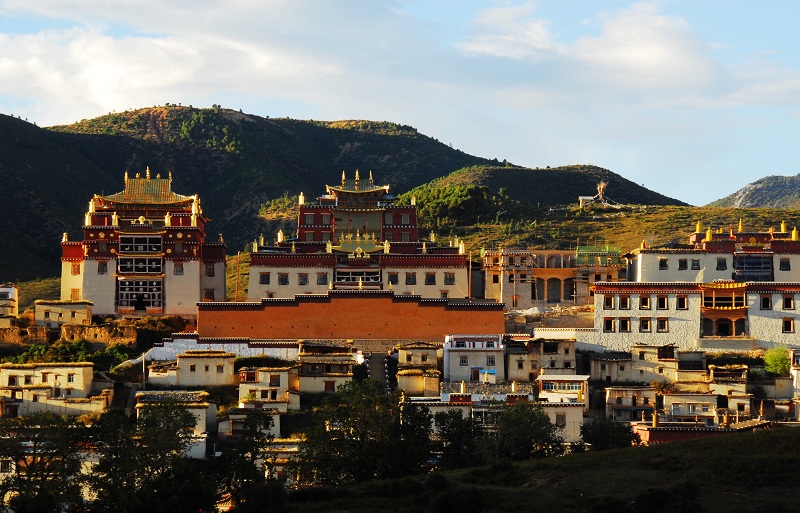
x=148, y=172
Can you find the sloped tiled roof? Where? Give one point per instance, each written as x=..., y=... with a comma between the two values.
x=151, y=191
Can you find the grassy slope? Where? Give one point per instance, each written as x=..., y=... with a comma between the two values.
x=747, y=472
x=770, y=191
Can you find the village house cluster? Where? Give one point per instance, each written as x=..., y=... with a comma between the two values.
x=358, y=285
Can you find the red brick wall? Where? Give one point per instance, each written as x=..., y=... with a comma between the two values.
x=347, y=316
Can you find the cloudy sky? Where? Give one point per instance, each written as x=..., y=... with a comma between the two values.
x=691, y=98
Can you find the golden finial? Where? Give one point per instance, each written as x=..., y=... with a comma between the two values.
x=370, y=177
x=794, y=233
x=343, y=178
x=220, y=239
x=699, y=228
x=424, y=248
x=114, y=219
x=65, y=237
x=643, y=245
x=386, y=247
x=783, y=226
x=126, y=177
x=261, y=239
x=294, y=249
x=357, y=177
x=709, y=235
x=158, y=176
x=170, y=176
x=741, y=225
x=330, y=285
x=167, y=220
x=301, y=200
x=391, y=287
x=360, y=284
x=148, y=172
x=280, y=236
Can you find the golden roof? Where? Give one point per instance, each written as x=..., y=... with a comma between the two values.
x=151, y=191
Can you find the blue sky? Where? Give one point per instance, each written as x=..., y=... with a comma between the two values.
x=691, y=98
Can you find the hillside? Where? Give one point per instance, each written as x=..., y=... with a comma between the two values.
x=551, y=186
x=747, y=472
x=767, y=192
x=234, y=161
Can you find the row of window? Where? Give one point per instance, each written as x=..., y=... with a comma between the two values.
x=220, y=368
x=682, y=303
x=562, y=385
x=623, y=324
x=722, y=264
x=388, y=219
x=662, y=302
x=322, y=278
x=28, y=379
x=141, y=265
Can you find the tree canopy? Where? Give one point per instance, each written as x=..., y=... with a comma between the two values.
x=776, y=361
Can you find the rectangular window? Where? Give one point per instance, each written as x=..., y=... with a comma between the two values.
x=388, y=218
x=309, y=236
x=495, y=278
x=423, y=357
x=75, y=294
x=681, y=303
x=788, y=325
x=283, y=278
x=405, y=237
x=683, y=264
x=784, y=265
x=47, y=315
x=76, y=269
x=309, y=219
x=411, y=278
x=662, y=325
x=624, y=325
x=5, y=466
x=263, y=278
x=463, y=361
x=644, y=302
x=274, y=380
x=330, y=386
x=695, y=264
x=510, y=277
x=302, y=279
x=405, y=219
x=766, y=302
x=220, y=369
x=70, y=378
x=322, y=278
x=192, y=368
x=663, y=264
x=624, y=303
x=102, y=267
x=641, y=355
x=177, y=269
x=208, y=295
x=430, y=279
x=608, y=325
x=788, y=302
x=661, y=302
x=394, y=279
x=326, y=219
x=28, y=380
x=676, y=408
x=444, y=294
x=210, y=270
x=490, y=361
x=722, y=264
x=561, y=420
x=449, y=278
x=608, y=302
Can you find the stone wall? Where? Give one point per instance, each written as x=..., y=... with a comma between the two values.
x=100, y=335
x=20, y=336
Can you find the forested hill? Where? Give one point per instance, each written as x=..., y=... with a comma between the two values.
x=236, y=162
x=768, y=192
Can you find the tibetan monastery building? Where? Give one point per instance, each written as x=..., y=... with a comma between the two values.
x=144, y=251
x=356, y=237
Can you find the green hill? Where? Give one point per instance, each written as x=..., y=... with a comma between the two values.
x=235, y=162
x=739, y=473
x=767, y=192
